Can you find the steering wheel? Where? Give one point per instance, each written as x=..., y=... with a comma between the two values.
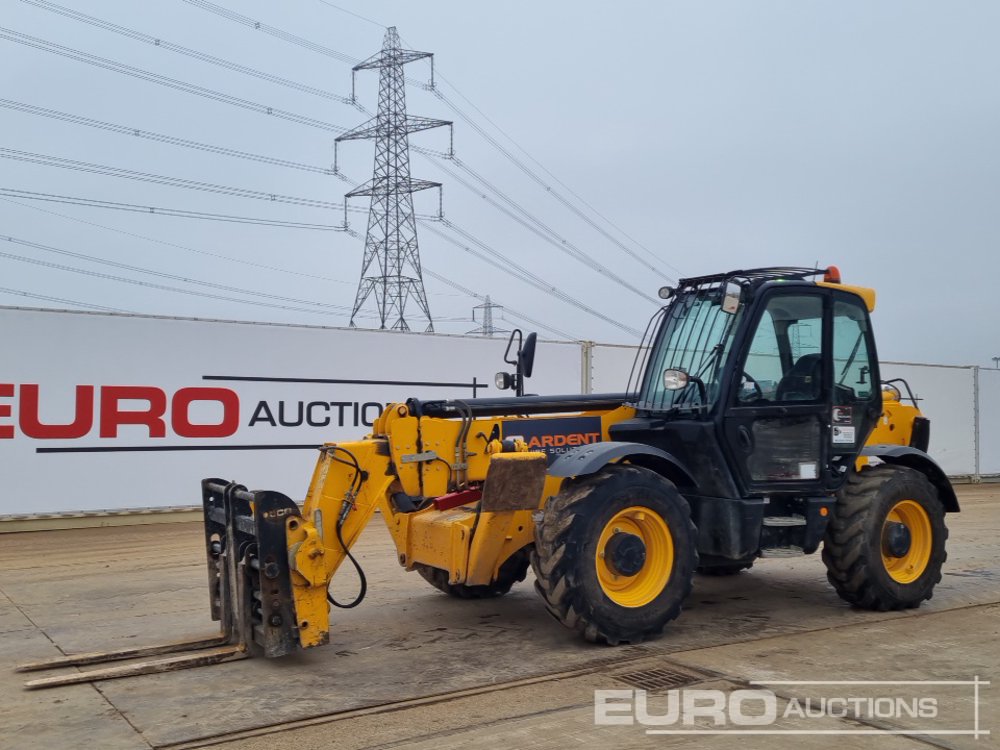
x=758, y=392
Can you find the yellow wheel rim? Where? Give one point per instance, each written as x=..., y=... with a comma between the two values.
x=643, y=587
x=910, y=566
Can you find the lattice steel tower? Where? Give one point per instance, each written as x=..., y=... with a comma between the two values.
x=391, y=267
x=486, y=327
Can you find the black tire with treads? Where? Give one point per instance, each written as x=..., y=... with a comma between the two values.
x=852, y=546
x=564, y=557
x=514, y=570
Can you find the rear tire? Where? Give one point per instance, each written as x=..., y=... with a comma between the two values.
x=862, y=563
x=514, y=570
x=628, y=589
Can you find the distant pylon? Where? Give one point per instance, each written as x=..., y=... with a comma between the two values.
x=391, y=268
x=487, y=328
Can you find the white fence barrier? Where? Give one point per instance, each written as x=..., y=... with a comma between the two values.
x=946, y=396
x=988, y=421
x=103, y=411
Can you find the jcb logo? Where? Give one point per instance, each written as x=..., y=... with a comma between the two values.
x=109, y=407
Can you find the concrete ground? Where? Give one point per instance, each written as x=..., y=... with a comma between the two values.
x=413, y=668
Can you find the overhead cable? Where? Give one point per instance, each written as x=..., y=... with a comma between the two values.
x=162, y=287
x=488, y=255
x=323, y=306
x=542, y=230
x=83, y=166
x=145, y=75
x=162, y=138
x=61, y=300
x=300, y=41
x=187, y=51
x=171, y=212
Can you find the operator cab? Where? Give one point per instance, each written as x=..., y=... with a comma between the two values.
x=764, y=384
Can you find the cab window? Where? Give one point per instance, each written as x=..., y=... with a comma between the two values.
x=852, y=364
x=785, y=358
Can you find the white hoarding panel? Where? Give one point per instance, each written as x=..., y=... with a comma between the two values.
x=989, y=421
x=610, y=367
x=945, y=397
x=105, y=411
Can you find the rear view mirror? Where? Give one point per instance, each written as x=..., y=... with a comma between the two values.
x=527, y=354
x=523, y=361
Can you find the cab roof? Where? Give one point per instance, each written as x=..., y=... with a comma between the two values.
x=757, y=276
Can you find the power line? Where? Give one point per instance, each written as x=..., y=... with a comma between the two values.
x=187, y=51
x=82, y=166
x=75, y=119
x=161, y=138
x=176, y=182
x=548, y=188
x=311, y=275
x=273, y=31
x=548, y=234
x=352, y=13
x=488, y=255
x=145, y=75
x=171, y=212
x=46, y=298
x=482, y=132
x=173, y=277
x=476, y=127
x=541, y=166
x=151, y=285
x=242, y=261
x=542, y=230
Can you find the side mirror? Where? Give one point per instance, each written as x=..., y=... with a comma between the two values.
x=526, y=357
x=523, y=361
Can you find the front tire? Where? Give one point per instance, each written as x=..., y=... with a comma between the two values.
x=615, y=555
x=885, y=543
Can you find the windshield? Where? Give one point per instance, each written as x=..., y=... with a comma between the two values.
x=695, y=336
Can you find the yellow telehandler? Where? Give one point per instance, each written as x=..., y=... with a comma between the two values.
x=755, y=425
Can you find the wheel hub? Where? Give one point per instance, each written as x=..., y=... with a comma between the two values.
x=896, y=539
x=625, y=554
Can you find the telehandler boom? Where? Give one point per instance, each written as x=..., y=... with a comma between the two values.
x=755, y=425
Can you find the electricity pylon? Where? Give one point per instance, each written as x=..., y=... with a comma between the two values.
x=391, y=267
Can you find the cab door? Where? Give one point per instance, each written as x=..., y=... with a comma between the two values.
x=857, y=389
x=776, y=425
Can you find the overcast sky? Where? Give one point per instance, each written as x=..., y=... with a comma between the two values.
x=715, y=135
